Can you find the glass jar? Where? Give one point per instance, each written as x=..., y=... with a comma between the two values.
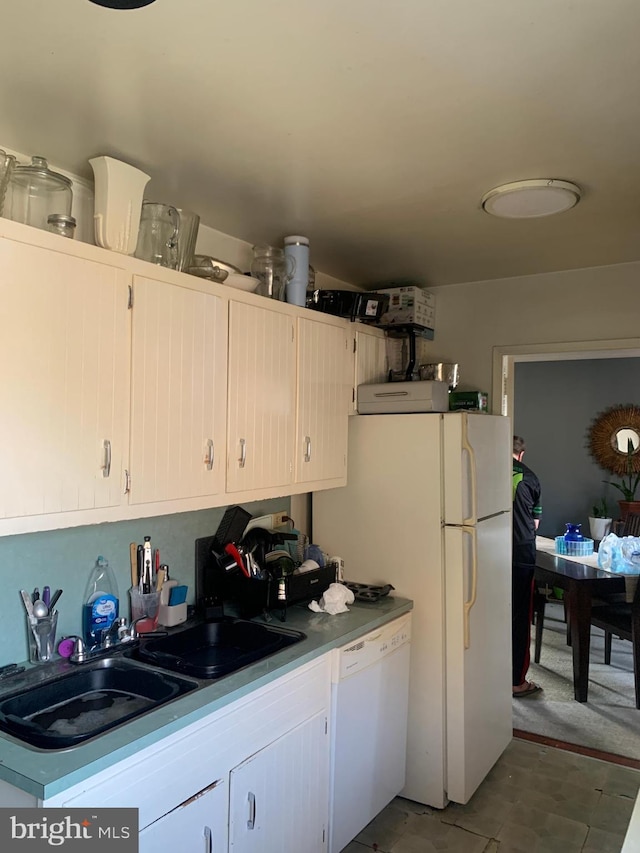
x=60, y=224
x=37, y=192
x=7, y=165
x=272, y=269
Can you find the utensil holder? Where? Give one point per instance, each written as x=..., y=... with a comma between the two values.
x=144, y=605
x=42, y=637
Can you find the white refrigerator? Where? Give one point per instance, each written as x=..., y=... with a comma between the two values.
x=427, y=508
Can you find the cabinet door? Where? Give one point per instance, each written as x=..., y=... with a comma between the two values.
x=198, y=825
x=64, y=395
x=178, y=392
x=324, y=389
x=371, y=362
x=261, y=398
x=279, y=796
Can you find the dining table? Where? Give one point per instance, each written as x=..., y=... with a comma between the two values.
x=582, y=580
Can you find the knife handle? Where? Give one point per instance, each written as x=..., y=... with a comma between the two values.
x=133, y=560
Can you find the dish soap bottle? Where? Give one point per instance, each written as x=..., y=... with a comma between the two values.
x=101, y=605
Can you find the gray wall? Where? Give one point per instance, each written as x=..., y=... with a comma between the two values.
x=554, y=404
x=64, y=558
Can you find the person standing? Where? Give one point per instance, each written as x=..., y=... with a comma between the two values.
x=527, y=511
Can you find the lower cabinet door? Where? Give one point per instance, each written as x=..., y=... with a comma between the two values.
x=279, y=796
x=199, y=825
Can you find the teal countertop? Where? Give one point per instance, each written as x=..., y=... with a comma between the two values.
x=45, y=773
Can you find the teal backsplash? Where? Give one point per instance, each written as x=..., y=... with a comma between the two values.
x=64, y=558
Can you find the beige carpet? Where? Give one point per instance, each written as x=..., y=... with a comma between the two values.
x=609, y=721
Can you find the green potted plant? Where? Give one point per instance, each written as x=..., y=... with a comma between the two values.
x=600, y=520
x=628, y=485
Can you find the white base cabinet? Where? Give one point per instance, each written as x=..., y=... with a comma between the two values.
x=275, y=794
x=199, y=824
x=253, y=776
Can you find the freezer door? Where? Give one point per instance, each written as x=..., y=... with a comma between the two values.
x=478, y=651
x=477, y=466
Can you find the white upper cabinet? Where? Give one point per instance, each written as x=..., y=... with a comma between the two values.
x=324, y=396
x=178, y=399
x=261, y=397
x=64, y=395
x=130, y=390
x=371, y=362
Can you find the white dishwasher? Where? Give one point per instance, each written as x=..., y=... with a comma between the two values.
x=369, y=702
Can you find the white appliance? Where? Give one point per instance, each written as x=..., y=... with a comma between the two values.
x=383, y=398
x=427, y=508
x=369, y=700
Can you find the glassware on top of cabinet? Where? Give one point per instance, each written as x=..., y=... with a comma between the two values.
x=272, y=269
x=7, y=165
x=60, y=224
x=37, y=192
x=158, y=234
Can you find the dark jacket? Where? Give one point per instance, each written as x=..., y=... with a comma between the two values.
x=526, y=509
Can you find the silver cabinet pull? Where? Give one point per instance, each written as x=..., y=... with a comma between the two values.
x=209, y=455
x=252, y=810
x=208, y=840
x=307, y=448
x=106, y=466
x=243, y=452
x=127, y=482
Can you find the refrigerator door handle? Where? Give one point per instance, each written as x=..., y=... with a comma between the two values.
x=466, y=445
x=473, y=587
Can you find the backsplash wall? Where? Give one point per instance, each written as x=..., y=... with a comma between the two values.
x=64, y=558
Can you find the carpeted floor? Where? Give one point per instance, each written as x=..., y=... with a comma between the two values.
x=609, y=721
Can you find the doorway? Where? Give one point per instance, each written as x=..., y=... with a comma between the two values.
x=554, y=423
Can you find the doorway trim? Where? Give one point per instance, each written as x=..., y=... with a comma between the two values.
x=505, y=357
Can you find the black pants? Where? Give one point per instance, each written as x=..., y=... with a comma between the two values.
x=521, y=612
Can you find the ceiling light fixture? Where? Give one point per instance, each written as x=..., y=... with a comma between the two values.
x=122, y=4
x=531, y=199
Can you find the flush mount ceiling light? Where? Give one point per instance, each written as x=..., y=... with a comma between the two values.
x=531, y=199
x=122, y=4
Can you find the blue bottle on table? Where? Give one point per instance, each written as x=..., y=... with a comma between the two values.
x=573, y=533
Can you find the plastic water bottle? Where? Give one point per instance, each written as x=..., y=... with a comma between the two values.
x=101, y=605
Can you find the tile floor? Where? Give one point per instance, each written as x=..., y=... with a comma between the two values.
x=536, y=799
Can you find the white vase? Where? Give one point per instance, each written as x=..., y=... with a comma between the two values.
x=119, y=190
x=599, y=527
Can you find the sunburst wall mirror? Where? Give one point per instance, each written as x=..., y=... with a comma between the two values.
x=611, y=434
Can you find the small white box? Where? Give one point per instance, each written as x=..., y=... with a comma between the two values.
x=409, y=304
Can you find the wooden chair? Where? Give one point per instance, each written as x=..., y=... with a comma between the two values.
x=623, y=620
x=631, y=526
x=539, y=604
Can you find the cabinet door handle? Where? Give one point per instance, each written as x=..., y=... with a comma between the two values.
x=243, y=452
x=209, y=455
x=106, y=465
x=208, y=840
x=251, y=797
x=307, y=448
x=127, y=482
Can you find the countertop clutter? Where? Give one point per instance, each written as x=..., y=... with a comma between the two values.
x=44, y=775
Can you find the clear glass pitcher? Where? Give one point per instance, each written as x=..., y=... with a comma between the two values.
x=158, y=234
x=273, y=269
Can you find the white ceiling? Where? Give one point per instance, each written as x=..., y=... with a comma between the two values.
x=372, y=126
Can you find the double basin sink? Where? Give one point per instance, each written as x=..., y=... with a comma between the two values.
x=103, y=693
